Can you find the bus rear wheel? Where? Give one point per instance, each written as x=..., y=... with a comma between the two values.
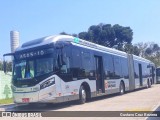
x=82, y=95
x=121, y=88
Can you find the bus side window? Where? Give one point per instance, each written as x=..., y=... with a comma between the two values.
x=108, y=66
x=136, y=70
x=124, y=65
x=66, y=61
x=117, y=67
x=87, y=65
x=66, y=65
x=76, y=68
x=65, y=68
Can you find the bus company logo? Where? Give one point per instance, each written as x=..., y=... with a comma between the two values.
x=67, y=86
x=111, y=84
x=6, y=114
x=106, y=85
x=21, y=114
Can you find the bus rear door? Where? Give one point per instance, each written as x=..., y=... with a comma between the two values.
x=99, y=74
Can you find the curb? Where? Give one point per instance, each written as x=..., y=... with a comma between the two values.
x=6, y=104
x=3, y=106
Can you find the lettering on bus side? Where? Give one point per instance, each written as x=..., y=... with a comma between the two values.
x=111, y=84
x=67, y=86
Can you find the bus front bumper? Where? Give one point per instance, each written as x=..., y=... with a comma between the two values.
x=45, y=95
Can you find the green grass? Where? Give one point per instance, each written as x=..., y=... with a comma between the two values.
x=6, y=101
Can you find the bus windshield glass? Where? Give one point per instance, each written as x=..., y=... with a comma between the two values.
x=31, y=68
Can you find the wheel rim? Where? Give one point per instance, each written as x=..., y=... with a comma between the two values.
x=83, y=94
x=122, y=90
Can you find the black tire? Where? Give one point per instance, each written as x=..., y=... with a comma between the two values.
x=121, y=89
x=82, y=95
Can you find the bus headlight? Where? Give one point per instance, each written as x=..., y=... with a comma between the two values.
x=35, y=89
x=47, y=83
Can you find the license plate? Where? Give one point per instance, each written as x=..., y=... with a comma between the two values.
x=25, y=100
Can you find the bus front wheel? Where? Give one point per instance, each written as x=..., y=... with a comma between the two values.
x=82, y=95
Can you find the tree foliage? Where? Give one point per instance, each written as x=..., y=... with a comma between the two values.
x=142, y=48
x=8, y=66
x=1, y=65
x=64, y=33
x=107, y=35
x=152, y=52
x=131, y=49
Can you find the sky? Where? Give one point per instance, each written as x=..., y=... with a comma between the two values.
x=38, y=18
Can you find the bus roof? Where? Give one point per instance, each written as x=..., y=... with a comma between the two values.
x=74, y=40
x=141, y=59
x=66, y=38
x=42, y=41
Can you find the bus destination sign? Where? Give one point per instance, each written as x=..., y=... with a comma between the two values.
x=33, y=53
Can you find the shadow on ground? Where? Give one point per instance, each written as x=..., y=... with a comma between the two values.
x=53, y=107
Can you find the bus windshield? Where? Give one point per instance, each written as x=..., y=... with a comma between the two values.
x=28, y=69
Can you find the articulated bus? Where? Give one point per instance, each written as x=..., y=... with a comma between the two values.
x=63, y=68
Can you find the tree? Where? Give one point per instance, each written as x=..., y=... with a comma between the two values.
x=152, y=53
x=1, y=65
x=75, y=35
x=64, y=33
x=84, y=35
x=94, y=33
x=115, y=36
x=124, y=35
x=9, y=66
x=108, y=35
x=131, y=49
x=142, y=48
x=136, y=50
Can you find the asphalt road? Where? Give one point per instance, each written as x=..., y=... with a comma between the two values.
x=139, y=100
